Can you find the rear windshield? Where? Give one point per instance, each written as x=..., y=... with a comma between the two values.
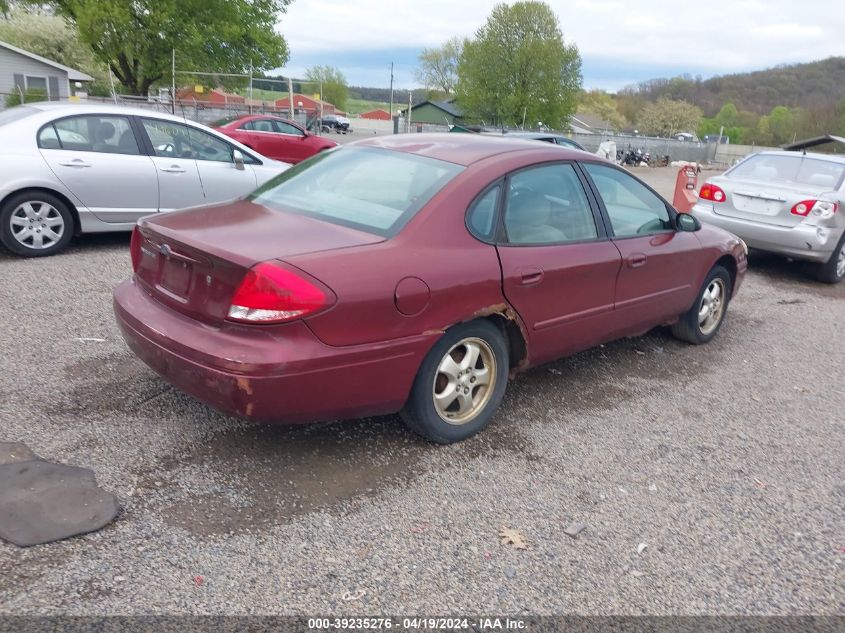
x=791, y=169
x=16, y=114
x=373, y=190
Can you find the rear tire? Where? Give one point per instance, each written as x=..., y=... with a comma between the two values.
x=833, y=271
x=704, y=319
x=460, y=384
x=35, y=224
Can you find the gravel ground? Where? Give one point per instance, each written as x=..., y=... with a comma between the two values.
x=725, y=460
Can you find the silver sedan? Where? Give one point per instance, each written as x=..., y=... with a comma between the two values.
x=786, y=203
x=68, y=169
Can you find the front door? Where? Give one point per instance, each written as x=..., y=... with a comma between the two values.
x=558, y=267
x=98, y=158
x=221, y=179
x=173, y=154
x=654, y=281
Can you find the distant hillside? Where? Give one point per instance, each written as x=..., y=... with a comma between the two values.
x=811, y=85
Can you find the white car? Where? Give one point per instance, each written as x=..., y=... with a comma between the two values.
x=67, y=169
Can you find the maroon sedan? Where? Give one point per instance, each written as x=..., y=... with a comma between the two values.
x=273, y=137
x=415, y=273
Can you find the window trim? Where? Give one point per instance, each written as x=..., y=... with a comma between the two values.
x=673, y=213
x=46, y=79
x=142, y=150
x=602, y=234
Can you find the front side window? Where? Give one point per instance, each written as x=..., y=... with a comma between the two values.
x=374, y=190
x=287, y=128
x=90, y=133
x=633, y=208
x=548, y=205
x=208, y=147
x=169, y=139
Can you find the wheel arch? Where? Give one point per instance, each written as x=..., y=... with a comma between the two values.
x=77, y=226
x=728, y=263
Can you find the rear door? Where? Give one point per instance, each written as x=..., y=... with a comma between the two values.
x=179, y=182
x=658, y=262
x=99, y=159
x=559, y=268
x=766, y=187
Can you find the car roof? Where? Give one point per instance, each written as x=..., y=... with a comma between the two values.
x=462, y=149
x=833, y=158
x=97, y=108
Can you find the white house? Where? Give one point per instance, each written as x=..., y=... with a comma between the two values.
x=20, y=69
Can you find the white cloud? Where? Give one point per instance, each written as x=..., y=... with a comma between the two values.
x=714, y=37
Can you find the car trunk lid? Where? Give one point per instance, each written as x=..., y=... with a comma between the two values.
x=193, y=261
x=764, y=201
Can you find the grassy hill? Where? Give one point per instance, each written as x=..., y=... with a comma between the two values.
x=811, y=85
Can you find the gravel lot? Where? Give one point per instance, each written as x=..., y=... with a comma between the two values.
x=726, y=460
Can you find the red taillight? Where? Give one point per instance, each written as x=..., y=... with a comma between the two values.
x=272, y=294
x=823, y=208
x=712, y=192
x=135, y=248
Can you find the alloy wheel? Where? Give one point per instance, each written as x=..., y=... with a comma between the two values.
x=465, y=380
x=712, y=306
x=840, y=263
x=37, y=225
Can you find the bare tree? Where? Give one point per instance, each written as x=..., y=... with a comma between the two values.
x=439, y=66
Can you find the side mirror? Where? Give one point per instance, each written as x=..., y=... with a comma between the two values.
x=238, y=159
x=687, y=222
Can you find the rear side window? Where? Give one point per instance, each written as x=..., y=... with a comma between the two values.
x=548, y=205
x=371, y=189
x=90, y=133
x=482, y=215
x=791, y=168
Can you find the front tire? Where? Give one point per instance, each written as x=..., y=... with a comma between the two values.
x=833, y=271
x=460, y=384
x=704, y=319
x=35, y=224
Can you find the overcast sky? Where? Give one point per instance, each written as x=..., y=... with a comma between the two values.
x=621, y=42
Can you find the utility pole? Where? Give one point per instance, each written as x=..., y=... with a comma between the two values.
x=173, y=82
x=391, y=93
x=250, y=87
x=290, y=98
x=410, y=96
x=320, y=122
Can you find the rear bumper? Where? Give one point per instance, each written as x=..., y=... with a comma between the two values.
x=812, y=243
x=281, y=374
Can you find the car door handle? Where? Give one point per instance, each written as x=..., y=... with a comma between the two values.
x=76, y=162
x=636, y=260
x=530, y=276
x=173, y=169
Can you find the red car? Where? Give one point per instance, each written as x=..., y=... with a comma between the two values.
x=415, y=273
x=273, y=137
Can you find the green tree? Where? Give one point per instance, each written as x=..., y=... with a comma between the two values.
x=438, y=70
x=54, y=38
x=666, y=117
x=518, y=68
x=136, y=38
x=335, y=90
x=727, y=115
x=602, y=105
x=781, y=124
